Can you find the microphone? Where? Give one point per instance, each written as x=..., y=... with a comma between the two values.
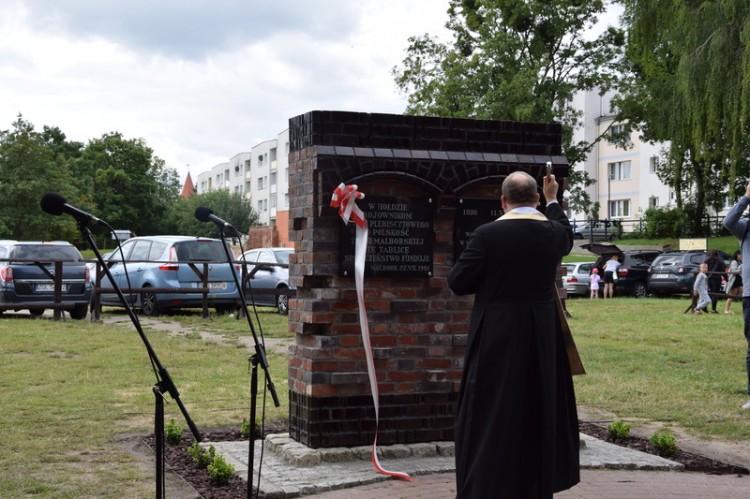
x=207, y=215
x=55, y=204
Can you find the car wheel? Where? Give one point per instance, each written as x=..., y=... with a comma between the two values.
x=282, y=302
x=36, y=312
x=79, y=312
x=639, y=290
x=149, y=307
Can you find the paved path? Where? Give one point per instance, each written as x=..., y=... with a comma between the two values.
x=608, y=471
x=595, y=484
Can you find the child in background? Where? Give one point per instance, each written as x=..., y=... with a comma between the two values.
x=700, y=289
x=594, y=280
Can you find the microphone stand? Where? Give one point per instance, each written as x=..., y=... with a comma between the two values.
x=164, y=383
x=258, y=358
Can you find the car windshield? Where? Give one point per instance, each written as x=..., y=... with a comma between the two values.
x=668, y=260
x=45, y=252
x=202, y=251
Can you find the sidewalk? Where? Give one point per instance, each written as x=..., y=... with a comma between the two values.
x=292, y=470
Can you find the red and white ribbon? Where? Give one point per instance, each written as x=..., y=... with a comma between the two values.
x=344, y=198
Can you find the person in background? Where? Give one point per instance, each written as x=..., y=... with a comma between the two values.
x=700, y=289
x=738, y=226
x=610, y=275
x=715, y=273
x=594, y=281
x=734, y=280
x=516, y=423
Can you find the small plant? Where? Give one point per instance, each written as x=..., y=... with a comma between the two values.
x=201, y=458
x=245, y=428
x=665, y=443
x=173, y=432
x=220, y=471
x=618, y=430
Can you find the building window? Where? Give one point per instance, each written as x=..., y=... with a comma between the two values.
x=616, y=130
x=619, y=208
x=653, y=202
x=653, y=164
x=261, y=183
x=260, y=160
x=619, y=170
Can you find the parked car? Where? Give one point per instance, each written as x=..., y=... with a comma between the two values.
x=269, y=276
x=576, y=281
x=598, y=230
x=674, y=271
x=632, y=275
x=165, y=262
x=26, y=283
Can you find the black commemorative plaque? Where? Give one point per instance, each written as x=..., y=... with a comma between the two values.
x=400, y=238
x=470, y=214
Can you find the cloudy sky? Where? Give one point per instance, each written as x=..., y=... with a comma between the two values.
x=201, y=80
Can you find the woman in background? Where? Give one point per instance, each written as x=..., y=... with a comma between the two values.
x=734, y=279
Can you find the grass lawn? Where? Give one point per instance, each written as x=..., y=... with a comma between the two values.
x=71, y=390
x=645, y=358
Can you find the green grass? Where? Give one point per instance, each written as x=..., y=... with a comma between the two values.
x=645, y=358
x=71, y=390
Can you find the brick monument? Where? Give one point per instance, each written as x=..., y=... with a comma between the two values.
x=428, y=183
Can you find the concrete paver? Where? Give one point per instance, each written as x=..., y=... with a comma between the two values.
x=290, y=469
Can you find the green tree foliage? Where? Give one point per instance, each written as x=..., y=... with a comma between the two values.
x=688, y=83
x=519, y=60
x=31, y=165
x=126, y=184
x=232, y=207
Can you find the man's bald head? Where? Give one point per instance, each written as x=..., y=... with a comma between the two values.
x=520, y=189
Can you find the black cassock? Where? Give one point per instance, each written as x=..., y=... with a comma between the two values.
x=516, y=422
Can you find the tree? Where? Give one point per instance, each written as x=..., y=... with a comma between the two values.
x=126, y=184
x=31, y=165
x=688, y=83
x=519, y=60
x=232, y=207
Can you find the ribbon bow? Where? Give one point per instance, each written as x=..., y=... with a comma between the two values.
x=344, y=198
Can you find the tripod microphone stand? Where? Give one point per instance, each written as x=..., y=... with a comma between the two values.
x=258, y=358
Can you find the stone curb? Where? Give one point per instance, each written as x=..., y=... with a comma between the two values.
x=290, y=469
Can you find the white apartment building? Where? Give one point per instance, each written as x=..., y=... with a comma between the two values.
x=625, y=184
x=261, y=175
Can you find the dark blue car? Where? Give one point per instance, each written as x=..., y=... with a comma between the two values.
x=27, y=271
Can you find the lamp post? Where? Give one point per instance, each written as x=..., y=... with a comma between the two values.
x=609, y=196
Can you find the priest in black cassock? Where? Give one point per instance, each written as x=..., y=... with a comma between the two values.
x=516, y=422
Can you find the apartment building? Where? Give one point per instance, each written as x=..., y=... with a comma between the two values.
x=626, y=182
x=261, y=175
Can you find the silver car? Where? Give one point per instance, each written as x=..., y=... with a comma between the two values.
x=269, y=285
x=174, y=263
x=576, y=281
x=598, y=231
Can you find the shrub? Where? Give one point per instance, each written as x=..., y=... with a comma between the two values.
x=201, y=458
x=665, y=443
x=245, y=428
x=618, y=430
x=173, y=432
x=220, y=471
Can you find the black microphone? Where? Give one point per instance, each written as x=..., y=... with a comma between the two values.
x=55, y=204
x=207, y=215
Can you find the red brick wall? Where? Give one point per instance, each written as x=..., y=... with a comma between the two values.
x=417, y=326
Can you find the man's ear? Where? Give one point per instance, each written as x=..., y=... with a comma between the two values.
x=504, y=203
